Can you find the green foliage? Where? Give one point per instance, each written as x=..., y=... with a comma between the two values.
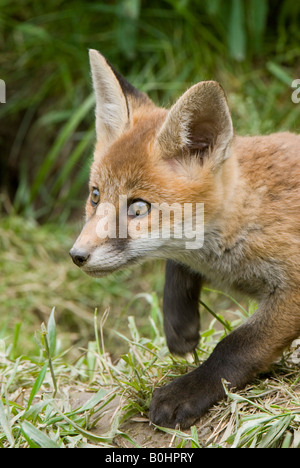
x=46, y=133
x=38, y=408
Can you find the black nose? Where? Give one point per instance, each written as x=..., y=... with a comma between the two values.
x=79, y=257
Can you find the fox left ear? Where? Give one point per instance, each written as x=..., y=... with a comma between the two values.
x=199, y=122
x=115, y=99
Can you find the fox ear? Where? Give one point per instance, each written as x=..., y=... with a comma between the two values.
x=115, y=99
x=198, y=123
x=112, y=114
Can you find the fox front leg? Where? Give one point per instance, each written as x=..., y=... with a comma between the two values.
x=247, y=351
x=181, y=308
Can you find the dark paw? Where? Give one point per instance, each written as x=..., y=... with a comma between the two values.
x=184, y=400
x=184, y=340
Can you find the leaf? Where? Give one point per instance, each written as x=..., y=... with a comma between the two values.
x=276, y=431
x=4, y=423
x=279, y=73
x=127, y=29
x=51, y=331
x=257, y=18
x=194, y=438
x=37, y=384
x=72, y=161
x=237, y=35
x=80, y=430
x=92, y=402
x=35, y=410
x=37, y=438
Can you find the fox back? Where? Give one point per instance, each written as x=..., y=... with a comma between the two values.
x=179, y=185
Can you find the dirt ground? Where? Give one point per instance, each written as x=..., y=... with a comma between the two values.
x=140, y=429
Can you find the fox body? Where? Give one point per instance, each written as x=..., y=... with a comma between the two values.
x=146, y=156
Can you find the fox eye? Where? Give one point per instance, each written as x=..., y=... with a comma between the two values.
x=95, y=196
x=139, y=208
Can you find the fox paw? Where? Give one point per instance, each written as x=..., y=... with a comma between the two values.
x=183, y=342
x=182, y=402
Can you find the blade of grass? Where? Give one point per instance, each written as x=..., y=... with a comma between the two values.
x=226, y=324
x=244, y=311
x=37, y=384
x=47, y=349
x=4, y=423
x=36, y=438
x=92, y=402
x=15, y=341
x=87, y=434
x=257, y=17
x=236, y=31
x=51, y=333
x=279, y=73
x=72, y=161
x=276, y=431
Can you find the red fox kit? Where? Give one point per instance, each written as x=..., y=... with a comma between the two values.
x=147, y=158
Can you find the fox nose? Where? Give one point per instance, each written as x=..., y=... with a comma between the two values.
x=79, y=257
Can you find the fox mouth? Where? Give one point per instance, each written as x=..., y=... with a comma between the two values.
x=101, y=272
x=97, y=273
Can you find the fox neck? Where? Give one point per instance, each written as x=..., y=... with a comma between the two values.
x=229, y=195
x=223, y=224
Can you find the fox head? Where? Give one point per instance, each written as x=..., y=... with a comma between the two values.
x=154, y=170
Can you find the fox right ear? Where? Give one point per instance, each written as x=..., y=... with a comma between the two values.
x=198, y=123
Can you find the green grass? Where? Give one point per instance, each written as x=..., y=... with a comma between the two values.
x=75, y=376
x=37, y=406
x=47, y=123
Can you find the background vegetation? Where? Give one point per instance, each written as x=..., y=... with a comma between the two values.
x=46, y=135
x=46, y=144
